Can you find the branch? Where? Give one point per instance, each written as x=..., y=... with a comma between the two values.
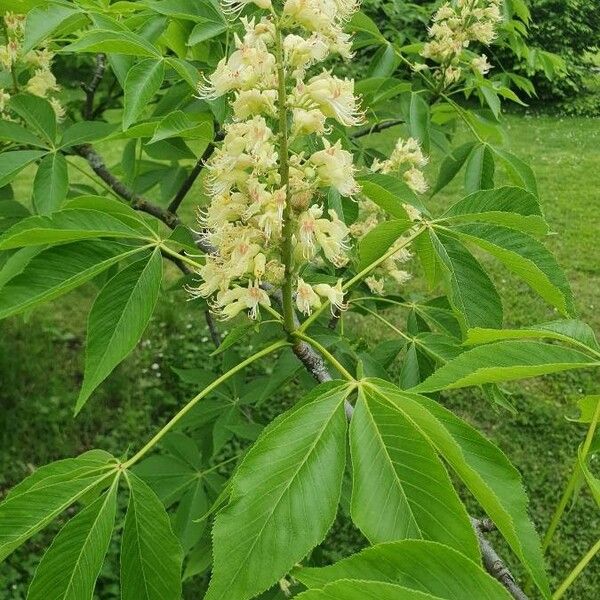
x=190, y=179
x=91, y=87
x=194, y=173
x=493, y=563
x=369, y=129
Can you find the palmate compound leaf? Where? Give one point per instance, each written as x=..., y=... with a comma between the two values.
x=151, y=557
x=70, y=567
x=433, y=569
x=400, y=486
x=505, y=361
x=40, y=498
x=482, y=467
x=118, y=319
x=56, y=271
x=284, y=496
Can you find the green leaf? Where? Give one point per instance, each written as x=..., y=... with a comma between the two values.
x=56, y=271
x=428, y=567
x=13, y=132
x=400, y=487
x=184, y=9
x=50, y=490
x=379, y=240
x=353, y=589
x=418, y=121
x=143, y=81
x=508, y=206
x=65, y=226
x=70, y=567
x=37, y=113
x=505, y=361
x=168, y=476
x=388, y=193
x=284, y=496
x=185, y=70
x=151, y=557
x=486, y=472
x=12, y=163
x=470, y=291
x=479, y=172
x=86, y=132
x=587, y=407
x=567, y=330
x=206, y=30
x=42, y=21
x=178, y=123
x=118, y=319
x=143, y=224
x=519, y=171
x=526, y=257
x=51, y=183
x=451, y=165
x=16, y=263
x=113, y=42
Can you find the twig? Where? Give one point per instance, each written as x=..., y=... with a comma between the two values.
x=376, y=128
x=493, y=563
x=91, y=87
x=215, y=336
x=194, y=174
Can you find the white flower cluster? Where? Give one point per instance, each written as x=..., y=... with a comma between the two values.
x=36, y=63
x=260, y=172
x=406, y=155
x=455, y=26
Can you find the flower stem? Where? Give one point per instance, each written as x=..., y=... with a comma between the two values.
x=209, y=388
x=572, y=484
x=581, y=565
x=284, y=174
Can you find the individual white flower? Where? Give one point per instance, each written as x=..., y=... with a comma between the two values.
x=335, y=295
x=249, y=103
x=301, y=53
x=376, y=285
x=335, y=98
x=481, y=65
x=306, y=298
x=4, y=99
x=42, y=82
x=452, y=74
x=305, y=122
x=250, y=65
x=329, y=235
x=415, y=180
x=9, y=54
x=231, y=302
x=234, y=7
x=406, y=152
x=58, y=108
x=15, y=23
x=335, y=167
x=41, y=59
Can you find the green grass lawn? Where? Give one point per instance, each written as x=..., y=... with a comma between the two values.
x=41, y=363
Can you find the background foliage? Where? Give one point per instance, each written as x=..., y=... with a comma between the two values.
x=169, y=355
